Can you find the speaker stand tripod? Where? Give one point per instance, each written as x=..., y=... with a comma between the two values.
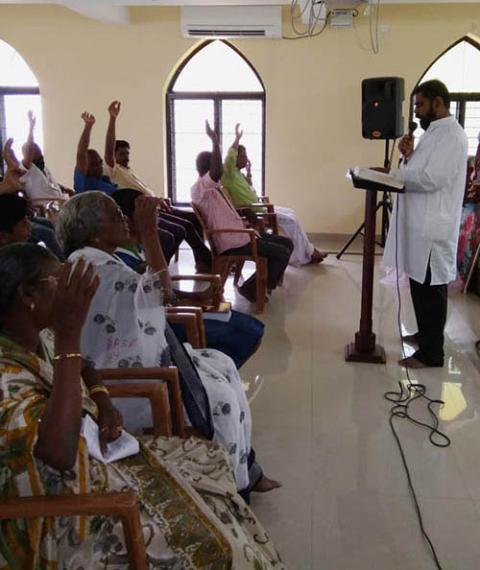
x=385, y=204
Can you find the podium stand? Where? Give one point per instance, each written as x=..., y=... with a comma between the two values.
x=364, y=348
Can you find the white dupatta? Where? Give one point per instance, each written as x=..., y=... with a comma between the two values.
x=125, y=326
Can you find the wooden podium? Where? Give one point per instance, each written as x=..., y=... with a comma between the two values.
x=364, y=348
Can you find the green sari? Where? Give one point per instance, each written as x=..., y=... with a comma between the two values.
x=191, y=515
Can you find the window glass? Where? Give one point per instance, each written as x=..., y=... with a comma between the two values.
x=190, y=140
x=458, y=69
x=223, y=88
x=13, y=69
x=217, y=67
x=249, y=115
x=16, y=122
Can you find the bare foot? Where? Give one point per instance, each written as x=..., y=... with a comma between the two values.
x=265, y=485
x=317, y=256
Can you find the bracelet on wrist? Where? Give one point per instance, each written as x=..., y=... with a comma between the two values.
x=97, y=389
x=67, y=355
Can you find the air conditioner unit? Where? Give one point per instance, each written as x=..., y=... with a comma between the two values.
x=232, y=21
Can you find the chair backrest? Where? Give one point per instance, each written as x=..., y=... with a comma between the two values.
x=205, y=228
x=191, y=318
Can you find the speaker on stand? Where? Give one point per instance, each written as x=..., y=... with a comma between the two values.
x=382, y=119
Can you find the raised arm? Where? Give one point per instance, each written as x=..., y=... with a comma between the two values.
x=11, y=182
x=238, y=136
x=216, y=166
x=59, y=430
x=113, y=110
x=146, y=226
x=84, y=142
x=28, y=147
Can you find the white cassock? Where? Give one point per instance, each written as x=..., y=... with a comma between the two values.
x=429, y=212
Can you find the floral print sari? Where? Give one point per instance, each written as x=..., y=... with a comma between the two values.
x=191, y=516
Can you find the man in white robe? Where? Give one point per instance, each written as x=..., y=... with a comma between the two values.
x=427, y=218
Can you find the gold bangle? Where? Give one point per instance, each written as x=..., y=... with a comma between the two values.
x=66, y=355
x=97, y=389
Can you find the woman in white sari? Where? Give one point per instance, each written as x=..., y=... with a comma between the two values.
x=126, y=327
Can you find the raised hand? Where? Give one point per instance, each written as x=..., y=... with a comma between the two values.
x=145, y=216
x=9, y=155
x=114, y=109
x=210, y=132
x=238, y=133
x=88, y=119
x=31, y=119
x=75, y=290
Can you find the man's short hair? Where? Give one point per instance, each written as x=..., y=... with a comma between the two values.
x=121, y=144
x=13, y=209
x=203, y=162
x=433, y=88
x=125, y=198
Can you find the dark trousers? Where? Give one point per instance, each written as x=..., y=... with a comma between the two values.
x=168, y=243
x=430, y=305
x=183, y=226
x=277, y=250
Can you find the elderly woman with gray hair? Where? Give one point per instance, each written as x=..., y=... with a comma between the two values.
x=126, y=327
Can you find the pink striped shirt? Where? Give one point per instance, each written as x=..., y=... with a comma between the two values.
x=218, y=213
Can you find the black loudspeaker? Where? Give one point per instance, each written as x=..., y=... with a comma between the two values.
x=382, y=99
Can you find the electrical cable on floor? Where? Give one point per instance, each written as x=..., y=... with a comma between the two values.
x=400, y=409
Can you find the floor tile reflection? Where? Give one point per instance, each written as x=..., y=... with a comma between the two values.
x=321, y=427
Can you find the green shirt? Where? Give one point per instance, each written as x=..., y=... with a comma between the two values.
x=235, y=182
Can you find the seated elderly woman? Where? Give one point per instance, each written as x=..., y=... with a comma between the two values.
x=126, y=327
x=189, y=509
x=239, y=337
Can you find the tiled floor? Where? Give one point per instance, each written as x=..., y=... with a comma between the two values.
x=321, y=427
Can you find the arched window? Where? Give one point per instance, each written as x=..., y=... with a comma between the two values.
x=219, y=85
x=19, y=93
x=458, y=68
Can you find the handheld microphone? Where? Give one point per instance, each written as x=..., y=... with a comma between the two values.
x=412, y=127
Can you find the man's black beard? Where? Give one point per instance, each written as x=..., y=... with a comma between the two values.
x=39, y=163
x=425, y=121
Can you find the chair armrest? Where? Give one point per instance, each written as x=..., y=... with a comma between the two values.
x=169, y=375
x=250, y=232
x=198, y=313
x=123, y=505
x=269, y=207
x=211, y=296
x=157, y=394
x=190, y=321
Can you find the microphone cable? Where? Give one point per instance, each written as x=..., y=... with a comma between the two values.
x=402, y=400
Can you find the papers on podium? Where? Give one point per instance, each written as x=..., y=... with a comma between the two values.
x=122, y=447
x=370, y=179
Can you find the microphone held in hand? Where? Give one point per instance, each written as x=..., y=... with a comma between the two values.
x=412, y=127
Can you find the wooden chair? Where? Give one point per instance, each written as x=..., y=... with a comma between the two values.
x=209, y=298
x=123, y=505
x=160, y=385
x=261, y=221
x=222, y=264
x=191, y=318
